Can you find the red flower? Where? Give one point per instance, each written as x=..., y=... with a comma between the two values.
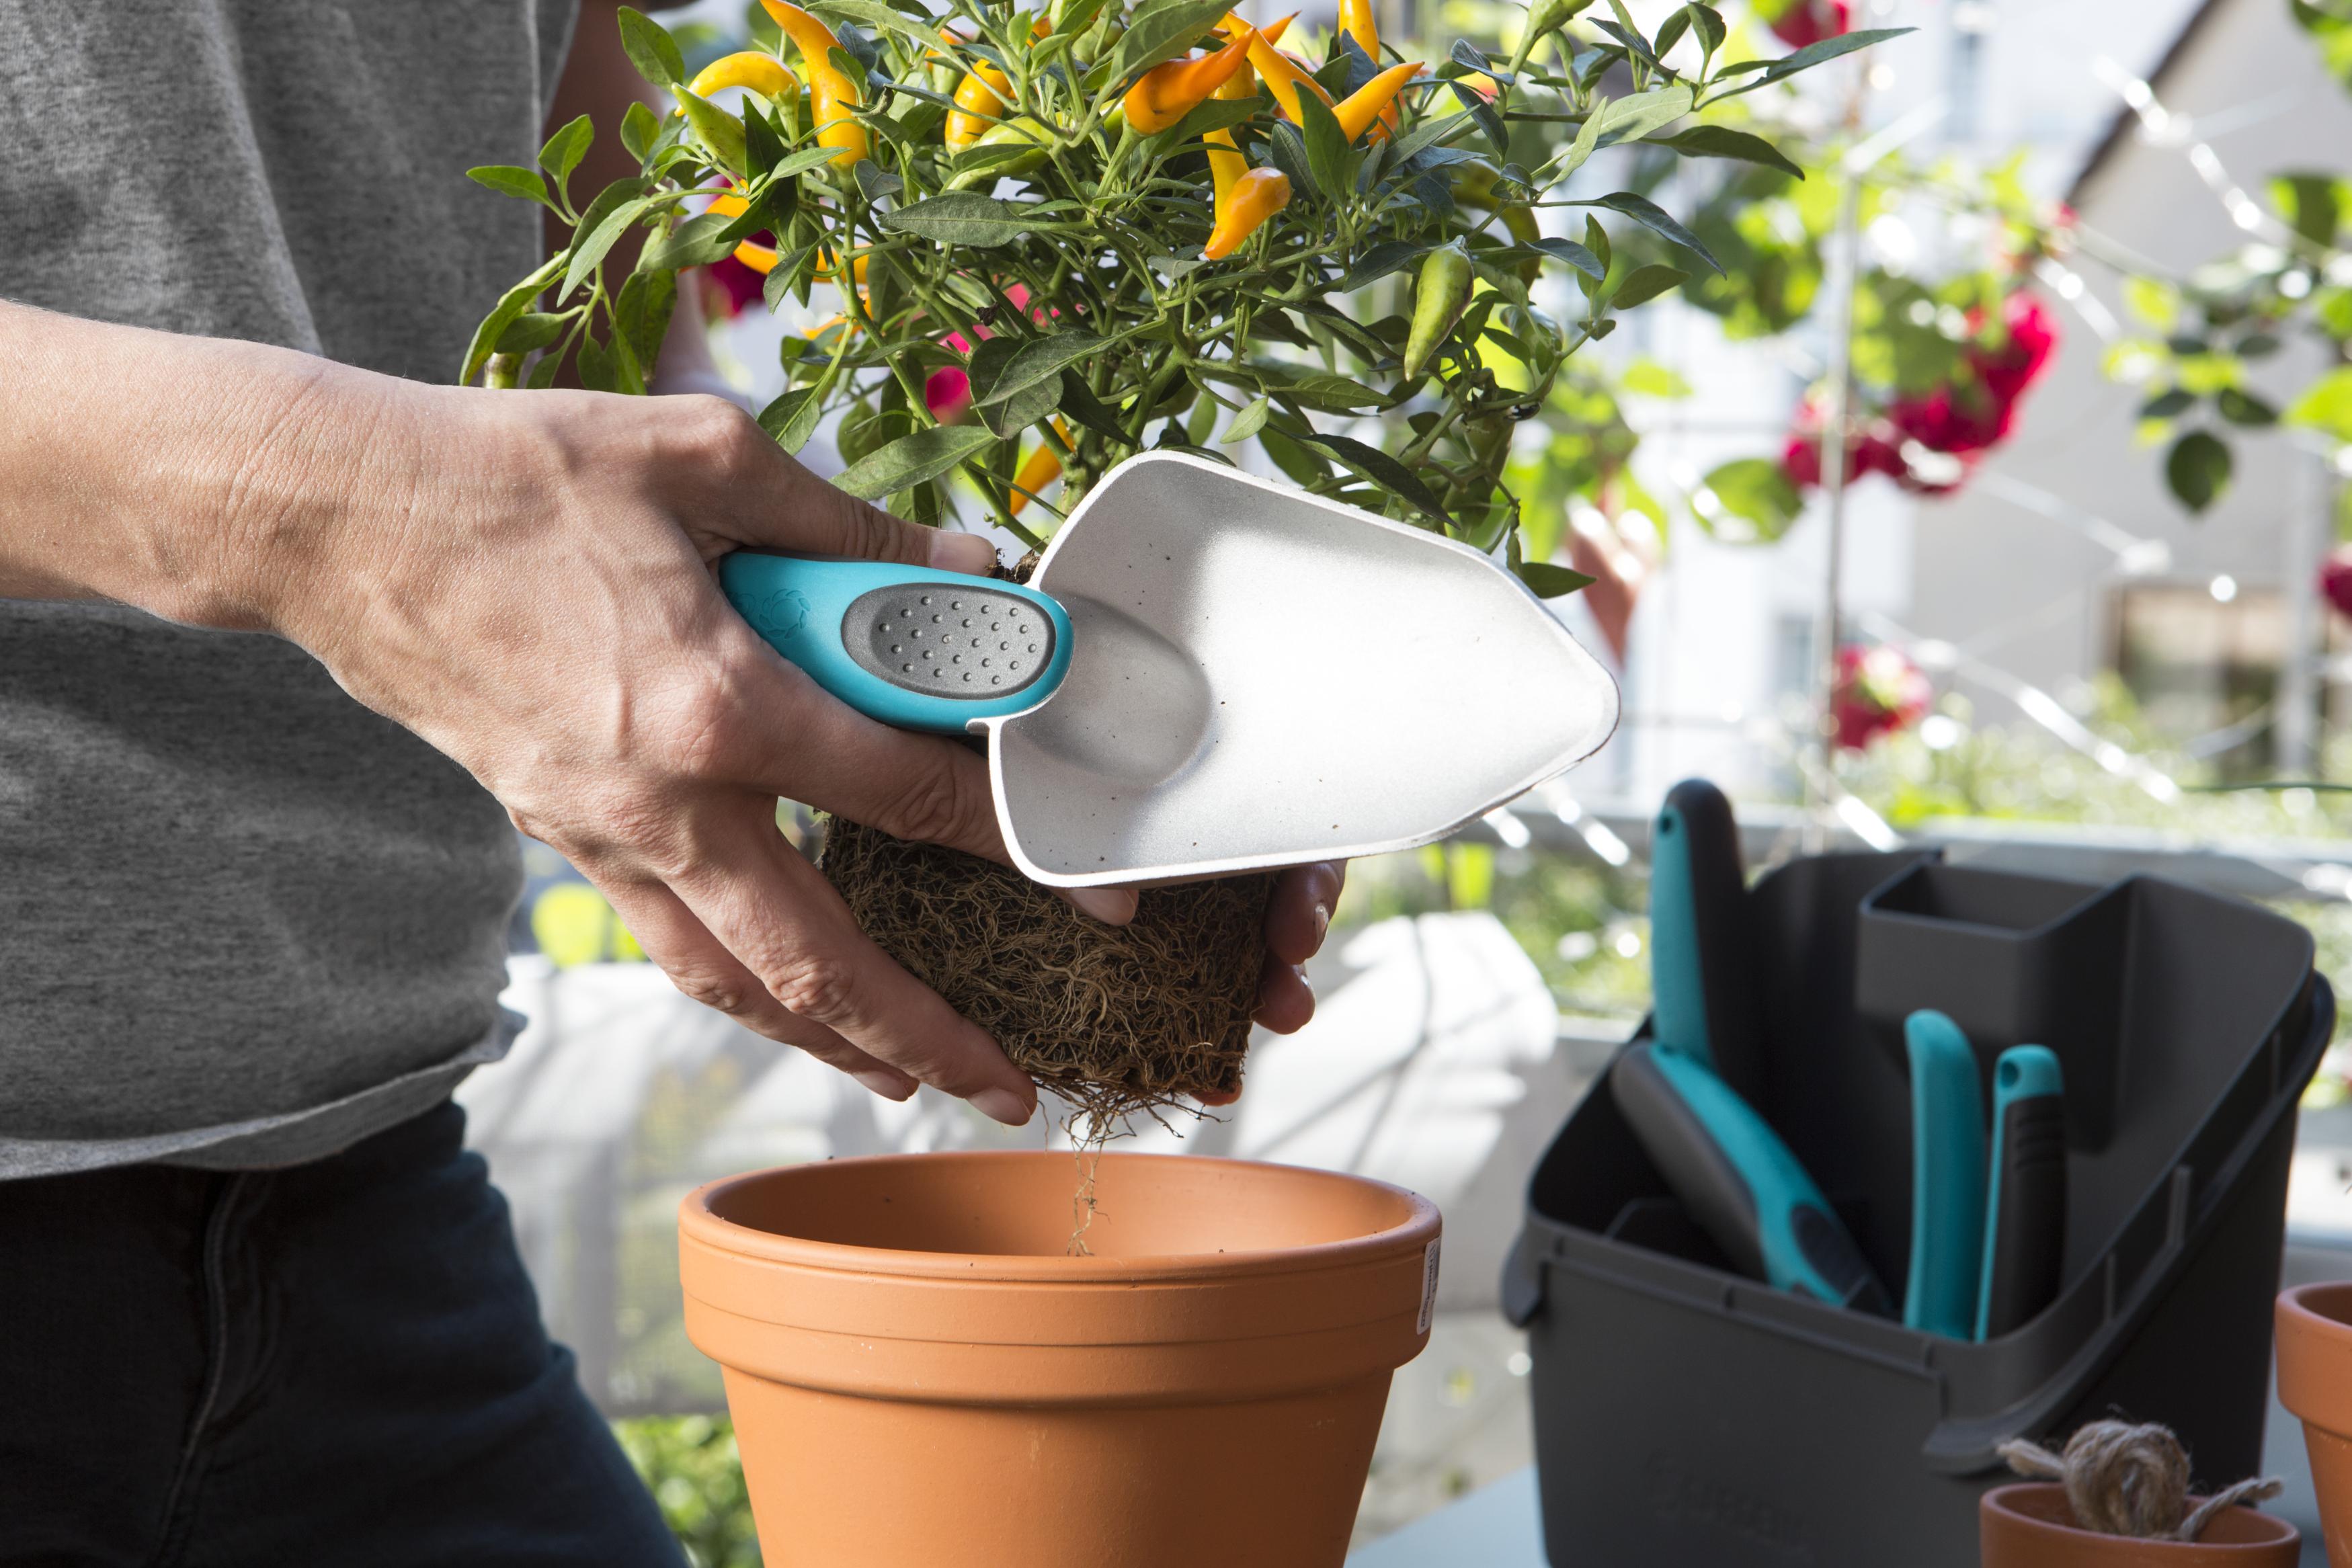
x=1879, y=692
x=2335, y=579
x=1803, y=22
x=2007, y=370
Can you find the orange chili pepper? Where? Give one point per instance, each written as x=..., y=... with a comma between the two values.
x=978, y=103
x=1284, y=76
x=1357, y=111
x=1039, y=469
x=831, y=94
x=1254, y=197
x=1165, y=94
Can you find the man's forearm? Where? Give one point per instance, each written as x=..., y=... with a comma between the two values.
x=187, y=476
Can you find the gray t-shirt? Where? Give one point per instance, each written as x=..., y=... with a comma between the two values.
x=244, y=921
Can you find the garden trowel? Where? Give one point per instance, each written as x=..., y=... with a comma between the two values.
x=1209, y=673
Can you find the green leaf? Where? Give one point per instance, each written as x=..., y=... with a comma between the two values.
x=609, y=216
x=1287, y=148
x=2240, y=407
x=1382, y=470
x=1430, y=132
x=1550, y=581
x=1650, y=216
x=1162, y=30
x=533, y=329
x=875, y=182
x=1337, y=394
x=2167, y=404
x=698, y=242
x=801, y=161
x=641, y=314
x=1812, y=55
x=791, y=419
x=1644, y=283
x=878, y=17
x=1707, y=23
x=1208, y=114
x=2313, y=203
x=511, y=305
x=563, y=150
x=1630, y=119
x=1756, y=489
x=1081, y=403
x=1378, y=261
x=1033, y=362
x=912, y=459
x=963, y=217
x=508, y=179
x=2325, y=405
x=651, y=48
x=1327, y=148
x=1247, y=422
x=1574, y=255
x=2198, y=469
x=598, y=370
x=763, y=148
x=1722, y=141
x=639, y=130
x=716, y=130
x=1588, y=137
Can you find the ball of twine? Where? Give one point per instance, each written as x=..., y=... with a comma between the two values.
x=2126, y=1479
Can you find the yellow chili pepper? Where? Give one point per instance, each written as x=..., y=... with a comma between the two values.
x=760, y=258
x=1257, y=196
x=1271, y=32
x=1039, y=469
x=978, y=101
x=763, y=74
x=1166, y=94
x=1360, y=108
x=1356, y=21
x=1284, y=76
x=1226, y=164
x=831, y=94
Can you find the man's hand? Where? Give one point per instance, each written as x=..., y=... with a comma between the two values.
x=525, y=580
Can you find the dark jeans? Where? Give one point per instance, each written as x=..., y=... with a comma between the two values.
x=339, y=1362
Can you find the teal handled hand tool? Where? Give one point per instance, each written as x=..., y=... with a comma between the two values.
x=1948, y=1178
x=2025, y=1212
x=1737, y=1179
x=1208, y=672
x=1702, y=968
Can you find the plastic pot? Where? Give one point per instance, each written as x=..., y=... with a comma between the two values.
x=2030, y=1526
x=921, y=1376
x=2313, y=1330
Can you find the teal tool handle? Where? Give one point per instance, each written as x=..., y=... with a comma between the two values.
x=1948, y=1178
x=1738, y=1180
x=2025, y=1211
x=1702, y=968
x=915, y=648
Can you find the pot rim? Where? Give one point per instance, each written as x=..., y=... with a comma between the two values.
x=1419, y=1228
x=1997, y=1502
x=2293, y=1309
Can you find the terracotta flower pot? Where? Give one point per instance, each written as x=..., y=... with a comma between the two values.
x=921, y=1378
x=2030, y=1526
x=2314, y=1332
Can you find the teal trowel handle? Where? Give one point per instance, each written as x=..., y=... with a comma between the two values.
x=912, y=647
x=1948, y=1178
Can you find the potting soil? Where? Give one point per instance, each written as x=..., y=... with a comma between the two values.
x=1115, y=1019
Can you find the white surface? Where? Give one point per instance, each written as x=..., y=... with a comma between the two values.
x=1496, y=1527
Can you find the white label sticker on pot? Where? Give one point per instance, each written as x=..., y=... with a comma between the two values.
x=1428, y=1287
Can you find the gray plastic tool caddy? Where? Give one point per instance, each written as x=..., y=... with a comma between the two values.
x=1684, y=1414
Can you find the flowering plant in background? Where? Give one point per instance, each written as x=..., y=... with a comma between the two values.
x=1879, y=692
x=1324, y=247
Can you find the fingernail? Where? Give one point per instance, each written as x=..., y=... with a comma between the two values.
x=1300, y=970
x=889, y=1085
x=1003, y=1106
x=963, y=552
x=1322, y=923
x=1111, y=905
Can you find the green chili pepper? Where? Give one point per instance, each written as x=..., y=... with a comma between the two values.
x=1438, y=298
x=1545, y=16
x=1023, y=132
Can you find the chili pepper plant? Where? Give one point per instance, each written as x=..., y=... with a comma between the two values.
x=1062, y=234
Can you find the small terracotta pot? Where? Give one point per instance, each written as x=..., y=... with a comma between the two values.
x=2030, y=1526
x=2314, y=1333
x=921, y=1377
